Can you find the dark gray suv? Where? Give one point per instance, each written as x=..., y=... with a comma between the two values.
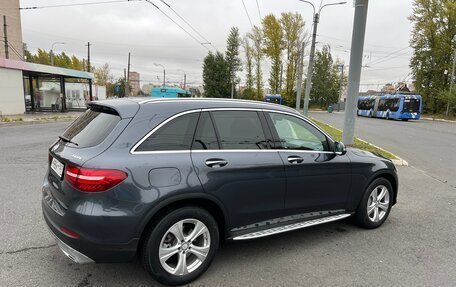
x=169, y=179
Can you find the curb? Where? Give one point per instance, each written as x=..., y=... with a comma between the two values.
x=32, y=122
x=438, y=120
x=398, y=161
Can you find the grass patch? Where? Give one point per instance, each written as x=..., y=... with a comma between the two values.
x=337, y=135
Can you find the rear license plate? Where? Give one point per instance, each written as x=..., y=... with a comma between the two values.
x=57, y=167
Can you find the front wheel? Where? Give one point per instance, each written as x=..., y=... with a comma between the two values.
x=181, y=246
x=375, y=205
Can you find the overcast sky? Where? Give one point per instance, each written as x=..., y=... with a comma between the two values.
x=137, y=27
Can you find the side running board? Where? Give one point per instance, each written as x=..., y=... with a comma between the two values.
x=294, y=226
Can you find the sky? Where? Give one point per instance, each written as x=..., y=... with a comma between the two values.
x=138, y=27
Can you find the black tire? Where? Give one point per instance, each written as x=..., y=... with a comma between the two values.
x=405, y=120
x=153, y=240
x=362, y=218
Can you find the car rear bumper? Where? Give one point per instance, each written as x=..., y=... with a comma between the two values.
x=84, y=251
x=98, y=240
x=71, y=253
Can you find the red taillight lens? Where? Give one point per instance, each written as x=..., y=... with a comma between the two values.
x=69, y=233
x=93, y=180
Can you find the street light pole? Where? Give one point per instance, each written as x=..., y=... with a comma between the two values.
x=452, y=75
x=52, y=51
x=164, y=73
x=354, y=73
x=341, y=77
x=299, y=82
x=316, y=19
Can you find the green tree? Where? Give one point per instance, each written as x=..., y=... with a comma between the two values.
x=434, y=26
x=272, y=47
x=76, y=63
x=216, y=79
x=325, y=79
x=232, y=56
x=256, y=35
x=62, y=60
x=103, y=75
x=293, y=35
x=42, y=57
x=249, y=92
x=27, y=55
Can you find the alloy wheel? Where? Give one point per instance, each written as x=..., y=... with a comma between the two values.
x=184, y=247
x=378, y=203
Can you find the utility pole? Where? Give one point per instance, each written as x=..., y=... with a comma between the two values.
x=299, y=81
x=5, y=33
x=354, y=74
x=232, y=88
x=125, y=82
x=311, y=64
x=281, y=77
x=316, y=19
x=185, y=80
x=452, y=75
x=127, y=79
x=341, y=77
x=88, y=70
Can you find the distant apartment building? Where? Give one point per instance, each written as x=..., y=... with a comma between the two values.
x=134, y=83
x=10, y=12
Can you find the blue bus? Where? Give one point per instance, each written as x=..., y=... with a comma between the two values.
x=165, y=92
x=398, y=107
x=277, y=99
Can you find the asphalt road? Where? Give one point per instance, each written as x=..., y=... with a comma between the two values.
x=426, y=145
x=415, y=247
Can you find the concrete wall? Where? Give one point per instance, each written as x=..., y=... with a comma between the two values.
x=11, y=92
x=10, y=8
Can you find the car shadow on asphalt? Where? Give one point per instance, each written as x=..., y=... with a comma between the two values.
x=232, y=257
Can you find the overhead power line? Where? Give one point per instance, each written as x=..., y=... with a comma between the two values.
x=259, y=12
x=14, y=50
x=385, y=58
x=247, y=13
x=177, y=24
x=75, y=4
x=206, y=41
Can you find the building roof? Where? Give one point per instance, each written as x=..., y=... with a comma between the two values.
x=45, y=69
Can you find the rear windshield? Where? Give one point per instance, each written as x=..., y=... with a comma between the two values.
x=91, y=128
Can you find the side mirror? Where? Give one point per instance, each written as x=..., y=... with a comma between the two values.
x=340, y=148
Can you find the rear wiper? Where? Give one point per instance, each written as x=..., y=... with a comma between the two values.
x=67, y=140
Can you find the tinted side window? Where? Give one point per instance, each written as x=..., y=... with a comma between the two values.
x=205, y=137
x=174, y=135
x=295, y=133
x=239, y=130
x=91, y=128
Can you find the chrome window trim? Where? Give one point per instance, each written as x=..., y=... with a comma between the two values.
x=297, y=115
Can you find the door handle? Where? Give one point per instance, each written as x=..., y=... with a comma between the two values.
x=216, y=162
x=295, y=159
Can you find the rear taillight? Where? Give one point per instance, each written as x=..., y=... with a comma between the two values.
x=93, y=180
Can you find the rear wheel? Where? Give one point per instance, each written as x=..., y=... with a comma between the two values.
x=375, y=205
x=181, y=246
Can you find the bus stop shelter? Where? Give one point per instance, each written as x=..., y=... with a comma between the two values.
x=43, y=87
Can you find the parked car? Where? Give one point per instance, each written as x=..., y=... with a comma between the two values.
x=169, y=179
